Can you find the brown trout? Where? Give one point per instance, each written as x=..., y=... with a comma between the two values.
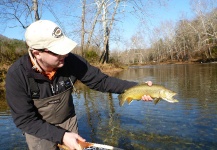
x=156, y=92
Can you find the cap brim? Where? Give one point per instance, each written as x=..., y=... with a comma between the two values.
x=62, y=46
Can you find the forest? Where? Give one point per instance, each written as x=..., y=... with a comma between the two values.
x=187, y=41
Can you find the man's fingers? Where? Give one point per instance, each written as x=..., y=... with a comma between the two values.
x=146, y=98
x=79, y=138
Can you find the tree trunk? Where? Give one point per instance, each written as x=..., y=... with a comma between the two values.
x=107, y=28
x=82, y=27
x=99, y=6
x=35, y=8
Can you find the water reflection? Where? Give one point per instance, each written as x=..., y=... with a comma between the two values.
x=189, y=124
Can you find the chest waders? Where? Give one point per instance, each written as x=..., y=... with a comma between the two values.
x=57, y=110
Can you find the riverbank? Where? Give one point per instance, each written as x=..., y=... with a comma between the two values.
x=110, y=69
x=3, y=72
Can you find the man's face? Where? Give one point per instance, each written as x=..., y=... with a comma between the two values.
x=49, y=60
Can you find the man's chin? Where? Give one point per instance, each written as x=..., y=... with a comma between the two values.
x=60, y=65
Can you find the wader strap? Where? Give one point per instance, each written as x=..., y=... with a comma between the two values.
x=35, y=92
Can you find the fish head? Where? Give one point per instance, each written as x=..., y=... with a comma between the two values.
x=167, y=95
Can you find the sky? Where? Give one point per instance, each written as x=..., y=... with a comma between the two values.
x=173, y=11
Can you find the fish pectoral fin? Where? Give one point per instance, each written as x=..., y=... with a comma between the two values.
x=121, y=100
x=156, y=100
x=129, y=100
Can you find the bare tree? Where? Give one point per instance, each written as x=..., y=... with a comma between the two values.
x=82, y=26
x=138, y=46
x=202, y=8
x=113, y=8
x=21, y=11
x=98, y=12
x=108, y=17
x=35, y=9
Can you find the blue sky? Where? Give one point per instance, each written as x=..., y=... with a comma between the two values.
x=173, y=11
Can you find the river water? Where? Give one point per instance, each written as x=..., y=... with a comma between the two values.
x=189, y=124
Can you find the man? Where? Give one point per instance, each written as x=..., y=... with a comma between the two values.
x=39, y=85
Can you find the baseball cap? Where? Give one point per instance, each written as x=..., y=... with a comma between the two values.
x=46, y=34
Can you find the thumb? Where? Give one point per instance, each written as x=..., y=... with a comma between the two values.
x=79, y=138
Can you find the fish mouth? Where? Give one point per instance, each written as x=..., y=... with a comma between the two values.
x=169, y=98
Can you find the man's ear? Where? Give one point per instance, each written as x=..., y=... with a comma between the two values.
x=35, y=53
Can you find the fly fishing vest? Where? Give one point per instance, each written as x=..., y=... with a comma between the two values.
x=57, y=108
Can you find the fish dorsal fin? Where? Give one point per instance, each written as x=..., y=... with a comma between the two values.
x=129, y=99
x=156, y=100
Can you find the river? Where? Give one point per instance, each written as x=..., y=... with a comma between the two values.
x=189, y=124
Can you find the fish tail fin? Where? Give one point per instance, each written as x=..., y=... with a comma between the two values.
x=121, y=100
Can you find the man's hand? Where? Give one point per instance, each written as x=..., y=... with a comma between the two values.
x=147, y=97
x=71, y=139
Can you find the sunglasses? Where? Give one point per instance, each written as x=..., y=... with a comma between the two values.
x=43, y=50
